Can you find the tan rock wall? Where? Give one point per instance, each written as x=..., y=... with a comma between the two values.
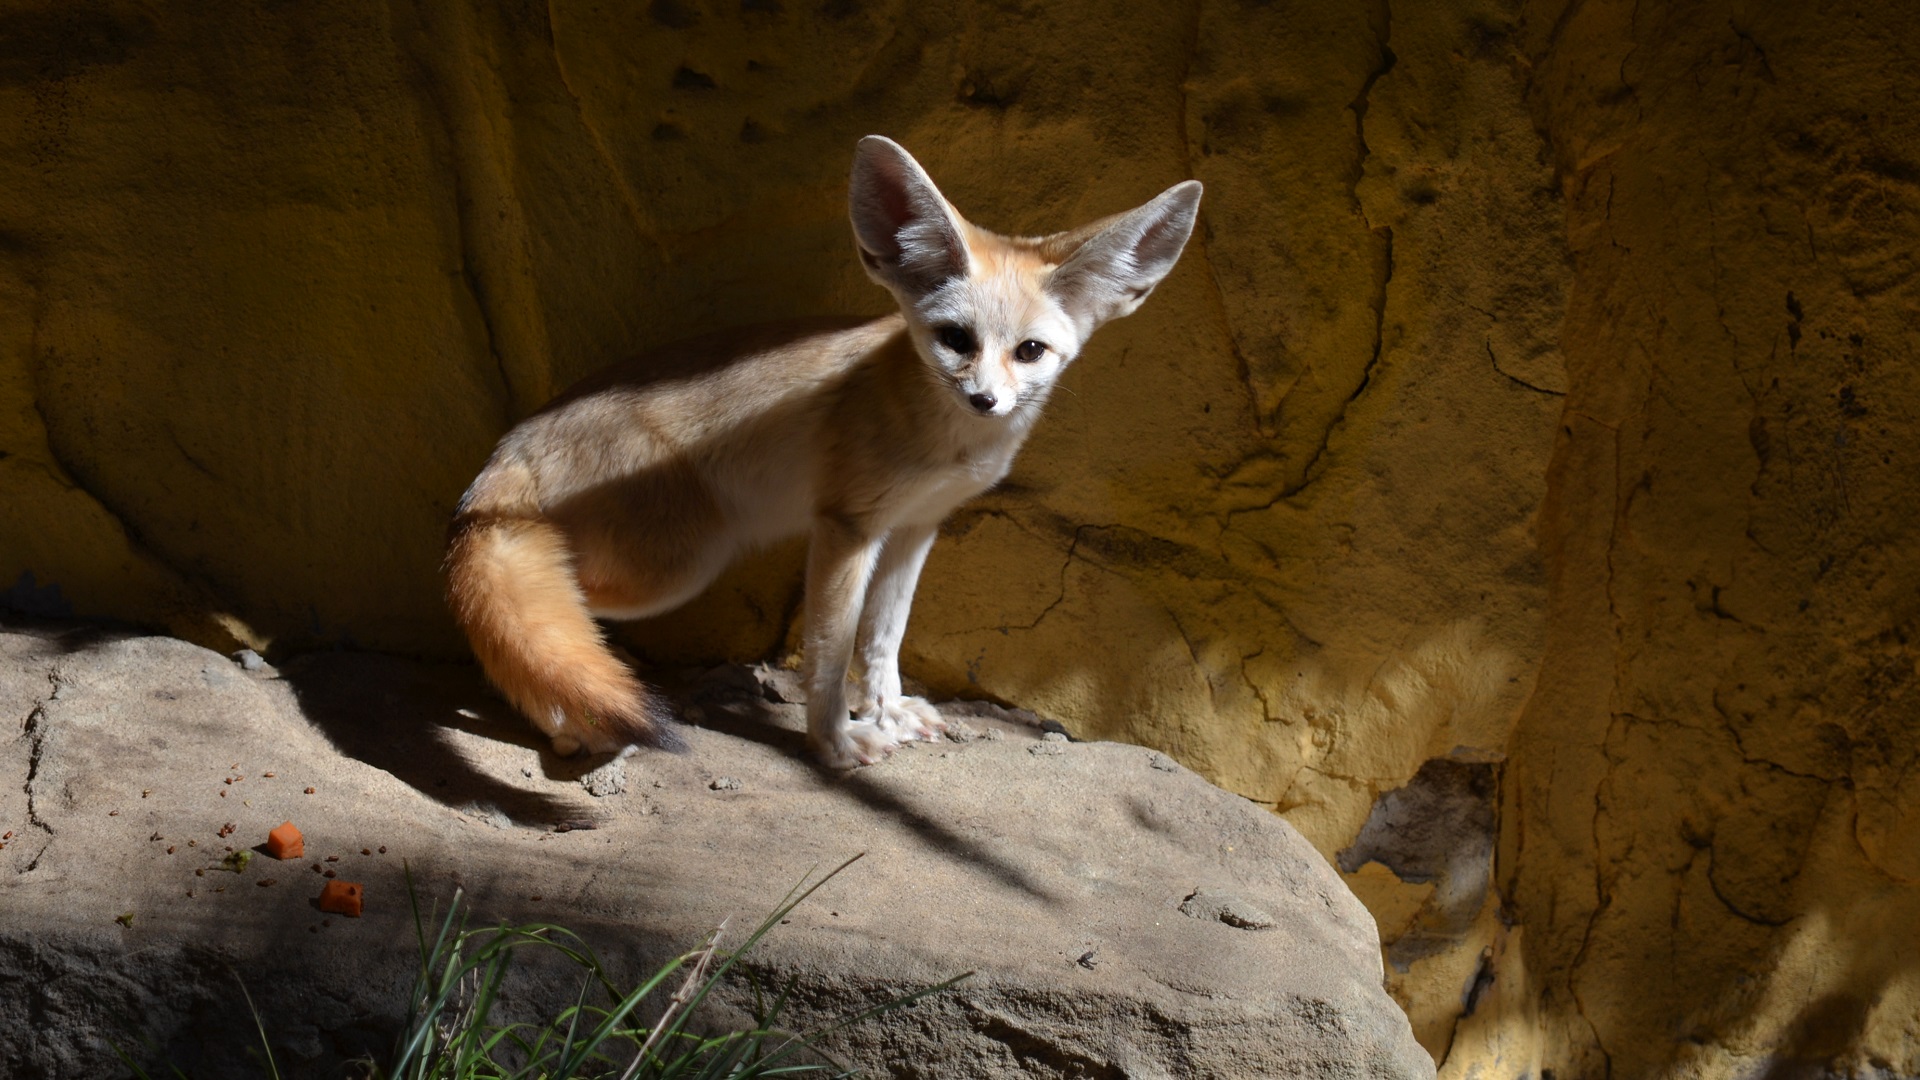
x=1724, y=729
x=1516, y=455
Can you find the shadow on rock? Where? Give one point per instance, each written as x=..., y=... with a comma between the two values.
x=401, y=716
x=759, y=705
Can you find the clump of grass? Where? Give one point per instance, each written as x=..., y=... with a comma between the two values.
x=450, y=1032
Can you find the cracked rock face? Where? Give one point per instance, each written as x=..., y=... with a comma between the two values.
x=1534, y=396
x=270, y=287
x=1058, y=880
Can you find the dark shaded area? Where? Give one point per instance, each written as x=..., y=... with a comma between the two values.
x=1422, y=830
x=1439, y=828
x=28, y=597
x=731, y=700
x=183, y=1006
x=394, y=715
x=59, y=43
x=1819, y=1039
x=67, y=637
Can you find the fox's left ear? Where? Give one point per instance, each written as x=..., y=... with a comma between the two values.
x=1115, y=262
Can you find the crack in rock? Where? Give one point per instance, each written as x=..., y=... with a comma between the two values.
x=34, y=730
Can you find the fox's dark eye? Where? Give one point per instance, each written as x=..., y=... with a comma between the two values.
x=956, y=338
x=1028, y=351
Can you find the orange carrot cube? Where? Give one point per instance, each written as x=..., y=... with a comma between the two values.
x=341, y=898
x=286, y=842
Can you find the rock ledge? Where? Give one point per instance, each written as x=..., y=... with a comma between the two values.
x=1059, y=878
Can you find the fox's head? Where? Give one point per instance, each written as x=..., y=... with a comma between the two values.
x=998, y=317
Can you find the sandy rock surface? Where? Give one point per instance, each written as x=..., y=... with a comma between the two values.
x=1123, y=917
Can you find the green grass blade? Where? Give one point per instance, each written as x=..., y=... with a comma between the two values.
x=266, y=1047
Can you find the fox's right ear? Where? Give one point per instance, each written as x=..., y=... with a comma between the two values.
x=909, y=236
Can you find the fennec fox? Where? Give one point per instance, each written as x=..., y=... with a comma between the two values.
x=630, y=492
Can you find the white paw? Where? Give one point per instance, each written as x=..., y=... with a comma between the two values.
x=911, y=718
x=861, y=742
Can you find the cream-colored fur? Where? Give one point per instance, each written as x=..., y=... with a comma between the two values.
x=629, y=493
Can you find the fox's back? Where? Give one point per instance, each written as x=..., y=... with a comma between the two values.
x=739, y=410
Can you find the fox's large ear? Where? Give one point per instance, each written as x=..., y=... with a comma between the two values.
x=1110, y=266
x=909, y=236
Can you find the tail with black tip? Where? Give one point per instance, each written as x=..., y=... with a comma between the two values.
x=511, y=585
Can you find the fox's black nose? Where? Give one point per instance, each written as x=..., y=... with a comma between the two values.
x=983, y=402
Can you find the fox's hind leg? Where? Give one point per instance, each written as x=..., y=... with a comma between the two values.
x=883, y=624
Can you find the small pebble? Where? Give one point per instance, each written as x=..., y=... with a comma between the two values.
x=249, y=660
x=309, y=791
x=724, y=783
x=264, y=882
x=608, y=779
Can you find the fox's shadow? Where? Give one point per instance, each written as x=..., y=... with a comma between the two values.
x=403, y=716
x=748, y=704
x=408, y=718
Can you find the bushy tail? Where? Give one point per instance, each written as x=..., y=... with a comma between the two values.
x=511, y=584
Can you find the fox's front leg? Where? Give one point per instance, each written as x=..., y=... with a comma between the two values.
x=883, y=623
x=840, y=561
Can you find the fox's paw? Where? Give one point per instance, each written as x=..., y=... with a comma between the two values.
x=911, y=718
x=861, y=742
